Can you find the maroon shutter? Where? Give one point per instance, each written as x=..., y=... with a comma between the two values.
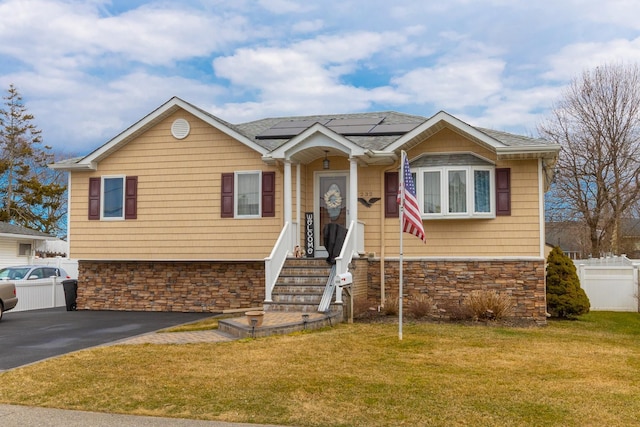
x=94, y=198
x=226, y=203
x=503, y=191
x=391, y=183
x=131, y=198
x=268, y=194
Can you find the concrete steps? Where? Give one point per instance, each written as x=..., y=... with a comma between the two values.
x=294, y=306
x=300, y=286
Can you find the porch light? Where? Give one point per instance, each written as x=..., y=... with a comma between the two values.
x=325, y=162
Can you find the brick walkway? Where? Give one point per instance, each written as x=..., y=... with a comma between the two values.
x=274, y=322
x=211, y=336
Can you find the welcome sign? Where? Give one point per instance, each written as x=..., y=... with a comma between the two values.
x=308, y=235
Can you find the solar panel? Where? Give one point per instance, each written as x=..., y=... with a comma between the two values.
x=280, y=133
x=355, y=121
x=354, y=126
x=297, y=124
x=393, y=129
x=351, y=130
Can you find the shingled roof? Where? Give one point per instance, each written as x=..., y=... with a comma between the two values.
x=6, y=228
x=373, y=142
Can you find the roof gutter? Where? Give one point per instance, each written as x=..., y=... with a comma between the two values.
x=27, y=237
x=91, y=166
x=535, y=150
x=386, y=156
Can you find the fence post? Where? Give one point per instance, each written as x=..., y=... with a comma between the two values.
x=53, y=291
x=637, y=285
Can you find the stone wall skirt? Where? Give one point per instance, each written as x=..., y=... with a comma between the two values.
x=448, y=282
x=199, y=286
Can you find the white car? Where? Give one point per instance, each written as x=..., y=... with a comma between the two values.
x=39, y=273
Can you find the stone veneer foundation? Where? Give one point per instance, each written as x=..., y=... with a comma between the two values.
x=194, y=286
x=447, y=282
x=202, y=286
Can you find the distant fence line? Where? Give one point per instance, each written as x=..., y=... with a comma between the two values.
x=611, y=283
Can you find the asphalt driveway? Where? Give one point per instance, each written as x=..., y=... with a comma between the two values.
x=30, y=336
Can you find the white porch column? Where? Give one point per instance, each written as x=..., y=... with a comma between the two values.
x=296, y=238
x=287, y=190
x=353, y=195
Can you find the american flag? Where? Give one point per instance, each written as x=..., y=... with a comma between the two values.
x=411, y=220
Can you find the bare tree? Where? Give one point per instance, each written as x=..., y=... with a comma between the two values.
x=597, y=122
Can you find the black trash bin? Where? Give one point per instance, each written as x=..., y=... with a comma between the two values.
x=70, y=293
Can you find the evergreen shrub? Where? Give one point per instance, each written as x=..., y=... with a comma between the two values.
x=565, y=298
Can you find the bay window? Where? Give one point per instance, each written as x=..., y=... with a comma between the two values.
x=454, y=191
x=454, y=186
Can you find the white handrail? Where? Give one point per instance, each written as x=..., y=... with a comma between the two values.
x=274, y=262
x=345, y=257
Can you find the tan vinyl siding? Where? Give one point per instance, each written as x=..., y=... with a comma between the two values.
x=514, y=235
x=178, y=200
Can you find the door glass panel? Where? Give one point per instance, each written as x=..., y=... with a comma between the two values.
x=333, y=201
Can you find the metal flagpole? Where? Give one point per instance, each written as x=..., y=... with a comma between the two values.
x=400, y=285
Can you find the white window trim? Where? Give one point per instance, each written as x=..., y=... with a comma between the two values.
x=102, y=197
x=444, y=192
x=236, y=198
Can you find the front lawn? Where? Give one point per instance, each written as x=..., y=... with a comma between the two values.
x=570, y=373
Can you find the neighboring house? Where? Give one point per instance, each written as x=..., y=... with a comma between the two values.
x=18, y=244
x=630, y=237
x=570, y=236
x=179, y=211
x=573, y=238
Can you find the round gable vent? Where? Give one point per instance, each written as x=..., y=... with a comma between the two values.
x=180, y=128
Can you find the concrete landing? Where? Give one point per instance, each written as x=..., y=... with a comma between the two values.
x=277, y=323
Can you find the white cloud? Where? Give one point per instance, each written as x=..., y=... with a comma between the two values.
x=454, y=84
x=68, y=34
x=308, y=26
x=573, y=59
x=88, y=116
x=89, y=69
x=284, y=6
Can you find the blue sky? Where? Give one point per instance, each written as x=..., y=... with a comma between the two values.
x=89, y=69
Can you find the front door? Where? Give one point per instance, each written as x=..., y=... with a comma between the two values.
x=331, y=201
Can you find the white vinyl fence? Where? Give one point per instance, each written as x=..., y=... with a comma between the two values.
x=34, y=296
x=610, y=283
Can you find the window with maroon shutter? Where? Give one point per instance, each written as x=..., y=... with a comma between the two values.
x=94, y=198
x=131, y=198
x=226, y=203
x=503, y=191
x=126, y=187
x=391, y=183
x=268, y=194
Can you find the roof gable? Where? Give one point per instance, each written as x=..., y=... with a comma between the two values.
x=90, y=161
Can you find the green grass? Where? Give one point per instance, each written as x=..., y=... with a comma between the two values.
x=570, y=373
